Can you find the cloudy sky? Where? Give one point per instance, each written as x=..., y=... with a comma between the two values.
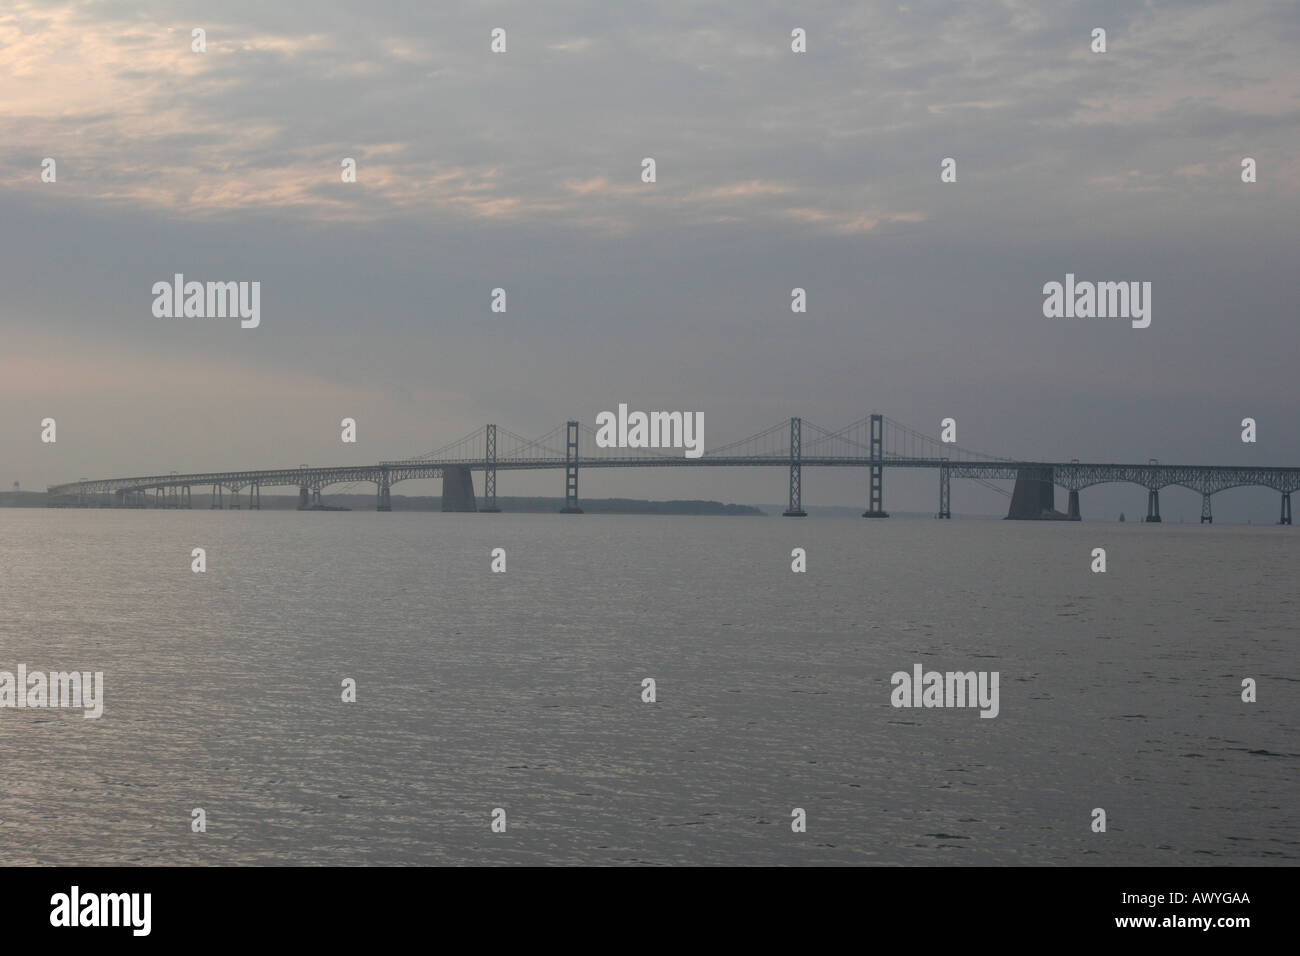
x=522, y=170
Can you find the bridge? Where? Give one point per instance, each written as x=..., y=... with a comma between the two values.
x=872, y=443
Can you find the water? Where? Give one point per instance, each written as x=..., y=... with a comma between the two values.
x=522, y=690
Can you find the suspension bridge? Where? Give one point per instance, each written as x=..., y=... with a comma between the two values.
x=872, y=443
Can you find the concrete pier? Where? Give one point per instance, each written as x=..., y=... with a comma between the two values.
x=458, y=489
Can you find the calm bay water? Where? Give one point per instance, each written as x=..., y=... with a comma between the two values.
x=522, y=690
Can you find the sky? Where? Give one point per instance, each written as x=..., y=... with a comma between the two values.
x=774, y=170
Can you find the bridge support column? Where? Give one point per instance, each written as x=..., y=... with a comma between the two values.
x=189, y=502
x=216, y=498
x=795, y=507
x=303, y=501
x=571, y=471
x=255, y=496
x=490, y=470
x=876, y=480
x=234, y=498
x=1034, y=497
x=315, y=497
x=1286, y=508
x=945, y=493
x=1153, y=504
x=458, y=489
x=1206, y=516
x=383, y=496
x=1073, y=512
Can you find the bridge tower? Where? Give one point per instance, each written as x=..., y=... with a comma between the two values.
x=1153, y=504
x=876, y=507
x=795, y=507
x=945, y=492
x=571, y=471
x=490, y=470
x=1072, y=486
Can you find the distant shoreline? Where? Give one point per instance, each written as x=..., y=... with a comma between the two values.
x=366, y=502
x=542, y=505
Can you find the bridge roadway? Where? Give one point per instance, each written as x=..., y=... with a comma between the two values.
x=1072, y=475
